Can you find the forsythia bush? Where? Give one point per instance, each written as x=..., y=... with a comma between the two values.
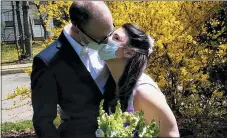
x=178, y=61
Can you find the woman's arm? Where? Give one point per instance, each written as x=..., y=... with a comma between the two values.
x=153, y=103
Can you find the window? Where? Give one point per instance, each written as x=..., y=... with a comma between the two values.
x=9, y=24
x=7, y=18
x=37, y=22
x=8, y=15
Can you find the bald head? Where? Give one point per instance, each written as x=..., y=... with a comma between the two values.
x=93, y=18
x=81, y=12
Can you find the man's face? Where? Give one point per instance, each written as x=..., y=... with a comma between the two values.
x=97, y=30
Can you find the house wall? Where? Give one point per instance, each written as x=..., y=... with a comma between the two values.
x=7, y=33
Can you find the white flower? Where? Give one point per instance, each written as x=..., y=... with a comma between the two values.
x=143, y=132
x=99, y=133
x=113, y=134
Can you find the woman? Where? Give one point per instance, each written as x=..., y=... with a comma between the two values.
x=126, y=55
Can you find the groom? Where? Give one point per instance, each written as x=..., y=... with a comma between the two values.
x=71, y=75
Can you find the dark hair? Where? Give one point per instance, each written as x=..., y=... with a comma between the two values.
x=79, y=14
x=137, y=39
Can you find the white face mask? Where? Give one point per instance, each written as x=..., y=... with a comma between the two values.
x=92, y=45
x=81, y=41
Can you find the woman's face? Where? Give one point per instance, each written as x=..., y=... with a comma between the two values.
x=121, y=37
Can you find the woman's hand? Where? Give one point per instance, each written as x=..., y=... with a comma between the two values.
x=153, y=103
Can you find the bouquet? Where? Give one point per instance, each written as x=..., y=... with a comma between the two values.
x=124, y=124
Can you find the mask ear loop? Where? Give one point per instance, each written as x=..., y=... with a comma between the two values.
x=150, y=50
x=137, y=51
x=82, y=42
x=85, y=48
x=128, y=55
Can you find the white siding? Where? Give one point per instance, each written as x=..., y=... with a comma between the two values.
x=6, y=15
x=8, y=34
x=37, y=29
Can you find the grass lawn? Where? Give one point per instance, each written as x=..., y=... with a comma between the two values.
x=18, y=126
x=9, y=52
x=8, y=127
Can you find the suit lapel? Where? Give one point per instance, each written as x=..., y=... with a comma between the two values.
x=75, y=62
x=110, y=92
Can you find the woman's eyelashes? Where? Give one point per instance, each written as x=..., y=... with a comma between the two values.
x=117, y=37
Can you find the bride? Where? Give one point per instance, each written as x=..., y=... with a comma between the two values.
x=126, y=56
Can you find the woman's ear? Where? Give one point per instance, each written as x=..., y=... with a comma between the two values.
x=129, y=53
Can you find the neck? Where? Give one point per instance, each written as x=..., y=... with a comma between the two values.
x=70, y=29
x=74, y=35
x=116, y=67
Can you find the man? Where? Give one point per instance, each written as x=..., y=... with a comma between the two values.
x=71, y=75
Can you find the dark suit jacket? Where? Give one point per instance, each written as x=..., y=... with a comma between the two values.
x=60, y=77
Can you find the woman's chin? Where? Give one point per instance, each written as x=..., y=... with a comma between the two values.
x=109, y=60
x=112, y=62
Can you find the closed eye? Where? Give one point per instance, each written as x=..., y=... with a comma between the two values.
x=117, y=37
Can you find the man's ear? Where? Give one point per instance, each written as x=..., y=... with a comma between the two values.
x=129, y=53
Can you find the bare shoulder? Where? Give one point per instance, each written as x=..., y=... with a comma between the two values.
x=149, y=94
x=149, y=98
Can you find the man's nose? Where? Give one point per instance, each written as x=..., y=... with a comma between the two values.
x=108, y=39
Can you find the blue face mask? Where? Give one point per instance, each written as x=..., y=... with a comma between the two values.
x=109, y=50
x=92, y=45
x=95, y=46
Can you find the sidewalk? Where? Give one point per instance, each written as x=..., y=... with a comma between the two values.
x=13, y=69
x=13, y=77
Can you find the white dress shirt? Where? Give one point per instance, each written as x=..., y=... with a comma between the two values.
x=91, y=61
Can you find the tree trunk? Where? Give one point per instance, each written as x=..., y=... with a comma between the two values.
x=14, y=30
x=27, y=33
x=21, y=35
x=172, y=90
x=32, y=33
x=46, y=34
